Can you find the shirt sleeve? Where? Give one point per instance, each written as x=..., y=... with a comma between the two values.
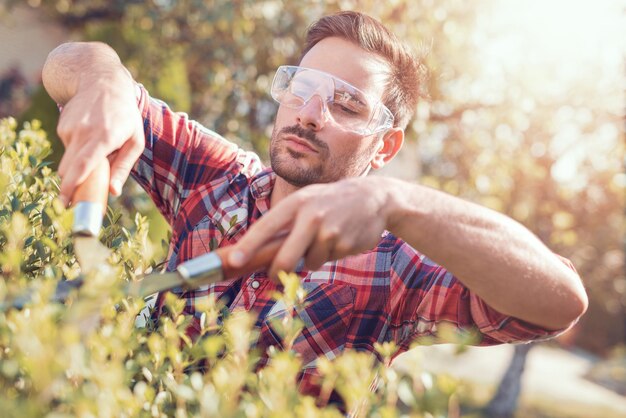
x=425, y=295
x=180, y=155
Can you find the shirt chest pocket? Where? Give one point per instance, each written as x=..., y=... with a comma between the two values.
x=326, y=316
x=208, y=235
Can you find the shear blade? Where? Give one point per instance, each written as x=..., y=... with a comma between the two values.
x=90, y=253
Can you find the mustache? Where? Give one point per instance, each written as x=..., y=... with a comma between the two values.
x=306, y=134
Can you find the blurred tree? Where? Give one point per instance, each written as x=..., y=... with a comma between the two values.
x=555, y=165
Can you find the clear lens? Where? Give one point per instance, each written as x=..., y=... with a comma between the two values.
x=345, y=104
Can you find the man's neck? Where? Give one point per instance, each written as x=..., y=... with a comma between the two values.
x=281, y=190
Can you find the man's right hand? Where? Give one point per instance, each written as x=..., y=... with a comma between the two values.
x=100, y=117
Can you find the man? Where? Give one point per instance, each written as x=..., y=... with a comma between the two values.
x=373, y=249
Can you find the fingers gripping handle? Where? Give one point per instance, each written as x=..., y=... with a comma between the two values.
x=90, y=201
x=261, y=259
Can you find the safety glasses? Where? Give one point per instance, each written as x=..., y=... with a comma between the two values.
x=345, y=104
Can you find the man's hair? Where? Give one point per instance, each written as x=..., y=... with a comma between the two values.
x=407, y=75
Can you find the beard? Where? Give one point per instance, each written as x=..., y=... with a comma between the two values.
x=301, y=169
x=284, y=161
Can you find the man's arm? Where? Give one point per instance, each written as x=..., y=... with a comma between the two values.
x=494, y=256
x=100, y=117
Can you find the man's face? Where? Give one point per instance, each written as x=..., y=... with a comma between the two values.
x=306, y=146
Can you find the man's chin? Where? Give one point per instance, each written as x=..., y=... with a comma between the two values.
x=295, y=173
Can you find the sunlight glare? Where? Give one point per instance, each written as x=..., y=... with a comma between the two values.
x=567, y=51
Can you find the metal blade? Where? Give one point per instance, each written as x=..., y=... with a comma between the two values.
x=90, y=253
x=153, y=283
x=61, y=293
x=200, y=271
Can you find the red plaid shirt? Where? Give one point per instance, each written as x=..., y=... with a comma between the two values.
x=200, y=182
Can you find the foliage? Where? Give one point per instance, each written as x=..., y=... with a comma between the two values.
x=86, y=357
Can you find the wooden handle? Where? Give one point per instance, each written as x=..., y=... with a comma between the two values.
x=262, y=258
x=95, y=189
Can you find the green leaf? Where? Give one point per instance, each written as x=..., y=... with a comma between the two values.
x=26, y=209
x=44, y=164
x=46, y=220
x=117, y=242
x=29, y=241
x=15, y=204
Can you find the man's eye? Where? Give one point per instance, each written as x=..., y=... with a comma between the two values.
x=348, y=103
x=348, y=110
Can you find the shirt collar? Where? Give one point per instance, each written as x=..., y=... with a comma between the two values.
x=261, y=188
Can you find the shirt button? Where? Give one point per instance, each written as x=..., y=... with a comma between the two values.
x=255, y=284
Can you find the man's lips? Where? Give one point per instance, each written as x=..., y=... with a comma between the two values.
x=299, y=144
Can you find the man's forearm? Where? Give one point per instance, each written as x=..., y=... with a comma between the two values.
x=74, y=65
x=494, y=256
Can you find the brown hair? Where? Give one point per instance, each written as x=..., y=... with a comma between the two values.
x=406, y=73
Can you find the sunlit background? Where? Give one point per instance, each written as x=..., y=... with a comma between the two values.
x=555, y=49
x=525, y=115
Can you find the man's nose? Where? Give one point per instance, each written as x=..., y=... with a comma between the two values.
x=312, y=115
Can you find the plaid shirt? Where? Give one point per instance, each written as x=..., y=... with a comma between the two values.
x=200, y=182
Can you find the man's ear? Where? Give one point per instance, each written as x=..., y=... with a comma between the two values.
x=388, y=147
